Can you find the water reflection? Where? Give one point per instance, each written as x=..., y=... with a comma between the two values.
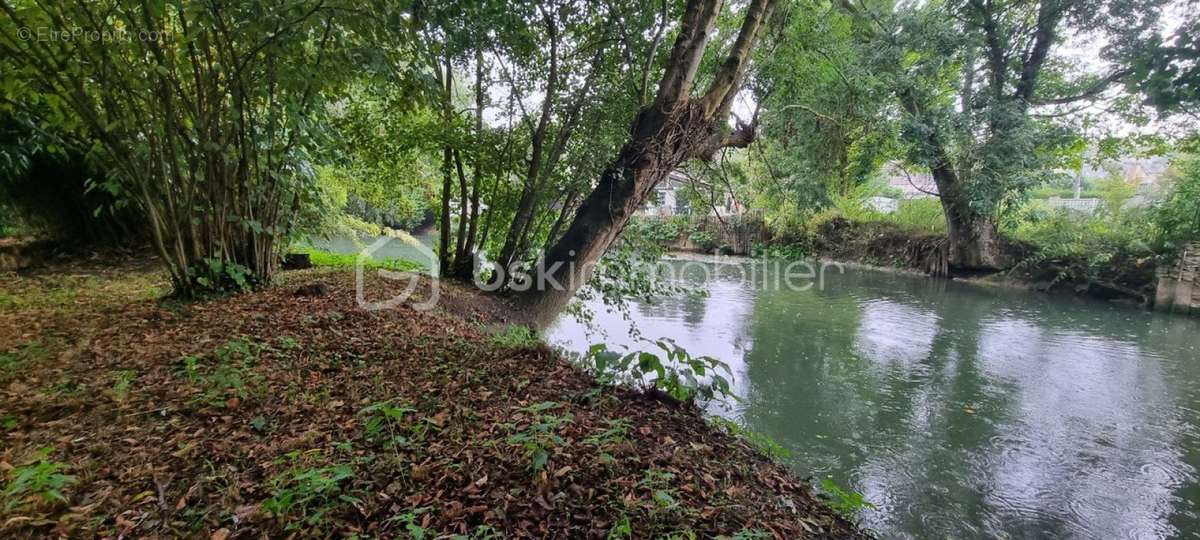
x=958, y=411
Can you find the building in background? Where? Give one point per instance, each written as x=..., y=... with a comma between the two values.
x=668, y=199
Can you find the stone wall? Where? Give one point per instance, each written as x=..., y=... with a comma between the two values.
x=1178, y=289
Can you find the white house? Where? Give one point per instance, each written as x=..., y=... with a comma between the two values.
x=667, y=199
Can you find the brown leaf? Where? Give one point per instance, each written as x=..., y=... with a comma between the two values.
x=220, y=534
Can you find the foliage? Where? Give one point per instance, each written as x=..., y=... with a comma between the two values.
x=385, y=422
x=122, y=381
x=842, y=500
x=677, y=373
x=657, y=230
x=762, y=442
x=1114, y=192
x=206, y=130
x=226, y=374
x=919, y=216
x=828, y=125
x=539, y=436
x=1178, y=217
x=39, y=479
x=304, y=495
x=703, y=240
x=1081, y=247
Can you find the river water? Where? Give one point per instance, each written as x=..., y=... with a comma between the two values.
x=959, y=411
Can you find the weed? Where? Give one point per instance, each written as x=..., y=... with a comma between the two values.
x=232, y=374
x=621, y=529
x=844, y=501
x=39, y=479
x=12, y=362
x=617, y=433
x=409, y=520
x=658, y=484
x=540, y=436
x=121, y=383
x=385, y=423
x=304, y=495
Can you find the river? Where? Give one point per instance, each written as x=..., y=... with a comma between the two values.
x=959, y=411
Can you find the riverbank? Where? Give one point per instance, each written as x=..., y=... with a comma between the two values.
x=1122, y=279
x=291, y=409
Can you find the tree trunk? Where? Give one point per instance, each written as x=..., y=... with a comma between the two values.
x=675, y=127
x=973, y=242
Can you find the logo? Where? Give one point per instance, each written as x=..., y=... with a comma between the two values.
x=362, y=265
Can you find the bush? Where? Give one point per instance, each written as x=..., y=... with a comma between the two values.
x=1083, y=248
x=1178, y=218
x=677, y=373
x=704, y=240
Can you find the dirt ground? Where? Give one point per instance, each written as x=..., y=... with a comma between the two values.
x=274, y=414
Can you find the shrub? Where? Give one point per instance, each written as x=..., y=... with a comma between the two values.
x=1085, y=248
x=1178, y=218
x=678, y=374
x=704, y=240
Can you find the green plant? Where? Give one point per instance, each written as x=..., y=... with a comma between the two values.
x=844, y=501
x=1177, y=219
x=409, y=520
x=121, y=383
x=621, y=529
x=304, y=495
x=39, y=479
x=340, y=260
x=215, y=275
x=617, y=432
x=230, y=374
x=540, y=434
x=679, y=374
x=704, y=240
x=385, y=423
x=658, y=483
x=515, y=335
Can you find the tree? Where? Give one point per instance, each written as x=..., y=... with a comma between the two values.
x=1166, y=70
x=200, y=113
x=968, y=73
x=829, y=118
x=676, y=126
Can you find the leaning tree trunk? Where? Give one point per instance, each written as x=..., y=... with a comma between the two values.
x=673, y=128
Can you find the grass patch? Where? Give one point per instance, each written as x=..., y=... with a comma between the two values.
x=345, y=260
x=515, y=335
